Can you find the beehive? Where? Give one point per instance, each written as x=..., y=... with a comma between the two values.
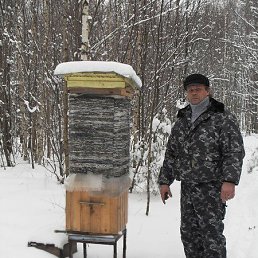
x=99, y=140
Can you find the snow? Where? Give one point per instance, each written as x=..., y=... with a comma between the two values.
x=31, y=110
x=181, y=103
x=32, y=207
x=124, y=70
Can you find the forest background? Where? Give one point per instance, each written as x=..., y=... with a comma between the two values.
x=163, y=40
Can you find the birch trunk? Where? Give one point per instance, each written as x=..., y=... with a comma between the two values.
x=85, y=31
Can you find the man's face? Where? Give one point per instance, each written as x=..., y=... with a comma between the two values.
x=196, y=93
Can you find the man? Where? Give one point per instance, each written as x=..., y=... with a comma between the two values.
x=205, y=152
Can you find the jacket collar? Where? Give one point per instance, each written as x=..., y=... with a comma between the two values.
x=215, y=106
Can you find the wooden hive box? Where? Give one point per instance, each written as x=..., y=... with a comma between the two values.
x=96, y=214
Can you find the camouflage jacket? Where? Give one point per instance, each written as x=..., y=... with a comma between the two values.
x=210, y=149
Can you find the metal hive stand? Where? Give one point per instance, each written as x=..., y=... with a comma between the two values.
x=85, y=238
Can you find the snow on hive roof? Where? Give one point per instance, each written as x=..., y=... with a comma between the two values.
x=124, y=70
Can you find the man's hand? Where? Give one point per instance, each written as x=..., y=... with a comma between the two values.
x=165, y=193
x=227, y=191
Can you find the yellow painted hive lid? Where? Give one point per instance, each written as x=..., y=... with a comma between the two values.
x=98, y=75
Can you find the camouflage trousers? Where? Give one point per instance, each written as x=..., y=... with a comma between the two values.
x=202, y=214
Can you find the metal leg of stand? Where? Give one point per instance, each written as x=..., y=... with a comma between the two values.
x=84, y=250
x=70, y=249
x=124, y=243
x=115, y=250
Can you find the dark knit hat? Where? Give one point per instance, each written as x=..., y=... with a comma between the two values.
x=196, y=78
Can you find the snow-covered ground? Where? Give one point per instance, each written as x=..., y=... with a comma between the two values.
x=32, y=206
